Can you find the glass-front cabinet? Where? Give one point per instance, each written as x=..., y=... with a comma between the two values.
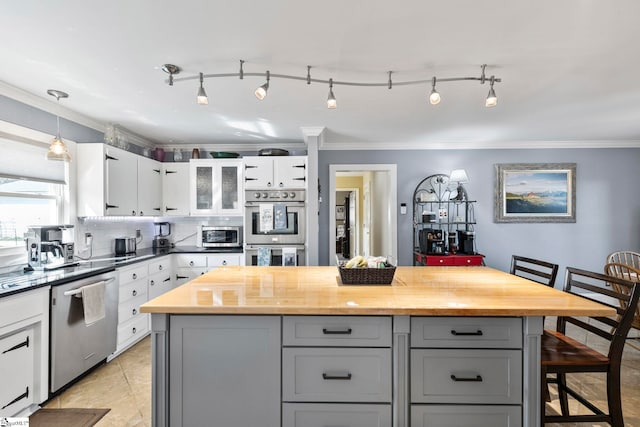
x=216, y=187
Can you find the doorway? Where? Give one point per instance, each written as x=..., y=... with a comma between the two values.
x=376, y=219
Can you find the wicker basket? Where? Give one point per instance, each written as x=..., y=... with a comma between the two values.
x=367, y=276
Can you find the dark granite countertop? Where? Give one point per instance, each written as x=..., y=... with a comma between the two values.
x=22, y=281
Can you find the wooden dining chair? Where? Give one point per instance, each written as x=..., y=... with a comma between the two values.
x=534, y=269
x=562, y=355
x=625, y=257
x=630, y=273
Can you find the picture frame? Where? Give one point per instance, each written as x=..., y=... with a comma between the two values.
x=340, y=216
x=535, y=192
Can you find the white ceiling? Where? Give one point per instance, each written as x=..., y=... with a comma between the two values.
x=570, y=69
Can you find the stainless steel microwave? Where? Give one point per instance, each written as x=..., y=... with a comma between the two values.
x=214, y=236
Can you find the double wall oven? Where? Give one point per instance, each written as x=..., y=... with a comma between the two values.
x=275, y=219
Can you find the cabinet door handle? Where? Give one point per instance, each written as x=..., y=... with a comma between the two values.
x=336, y=376
x=181, y=277
x=249, y=167
x=167, y=208
x=462, y=334
x=300, y=166
x=157, y=170
x=168, y=172
x=476, y=379
x=133, y=213
x=346, y=331
x=24, y=343
x=300, y=179
x=108, y=206
x=268, y=184
x=157, y=209
x=22, y=396
x=108, y=157
x=168, y=279
x=250, y=179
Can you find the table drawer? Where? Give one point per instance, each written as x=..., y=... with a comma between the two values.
x=337, y=331
x=466, y=376
x=129, y=274
x=335, y=414
x=131, y=308
x=465, y=416
x=132, y=290
x=336, y=374
x=466, y=332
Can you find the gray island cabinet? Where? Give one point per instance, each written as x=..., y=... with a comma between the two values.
x=293, y=347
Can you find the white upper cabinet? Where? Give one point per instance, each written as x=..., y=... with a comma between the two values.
x=175, y=182
x=264, y=172
x=216, y=187
x=114, y=182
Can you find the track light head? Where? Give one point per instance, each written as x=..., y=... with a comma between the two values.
x=332, y=104
x=261, y=92
x=202, y=98
x=434, y=97
x=492, y=99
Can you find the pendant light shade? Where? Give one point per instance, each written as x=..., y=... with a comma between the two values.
x=202, y=95
x=57, y=149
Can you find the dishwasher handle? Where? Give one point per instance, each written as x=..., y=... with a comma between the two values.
x=78, y=291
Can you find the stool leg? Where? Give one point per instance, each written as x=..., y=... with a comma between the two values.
x=562, y=394
x=614, y=399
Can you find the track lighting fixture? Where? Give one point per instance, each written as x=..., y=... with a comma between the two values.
x=261, y=92
x=202, y=95
x=57, y=148
x=434, y=97
x=492, y=99
x=331, y=99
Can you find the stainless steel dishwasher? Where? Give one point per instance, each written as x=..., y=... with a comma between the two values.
x=76, y=347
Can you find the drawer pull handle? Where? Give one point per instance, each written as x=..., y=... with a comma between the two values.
x=24, y=343
x=22, y=396
x=346, y=331
x=346, y=376
x=134, y=293
x=134, y=311
x=476, y=379
x=462, y=334
x=134, y=276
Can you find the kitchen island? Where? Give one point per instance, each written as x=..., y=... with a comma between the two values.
x=292, y=346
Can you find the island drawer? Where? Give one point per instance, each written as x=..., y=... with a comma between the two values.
x=466, y=332
x=337, y=331
x=465, y=416
x=336, y=374
x=335, y=414
x=466, y=376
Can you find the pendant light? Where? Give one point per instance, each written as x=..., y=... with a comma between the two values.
x=332, y=104
x=492, y=99
x=57, y=148
x=261, y=92
x=434, y=97
x=202, y=95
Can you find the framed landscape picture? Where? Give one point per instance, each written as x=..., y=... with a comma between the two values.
x=535, y=192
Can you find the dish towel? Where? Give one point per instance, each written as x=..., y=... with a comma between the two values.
x=279, y=216
x=266, y=217
x=264, y=256
x=93, y=302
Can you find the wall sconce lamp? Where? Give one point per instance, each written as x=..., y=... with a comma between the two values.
x=57, y=149
x=459, y=176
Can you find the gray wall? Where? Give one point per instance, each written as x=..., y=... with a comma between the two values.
x=607, y=202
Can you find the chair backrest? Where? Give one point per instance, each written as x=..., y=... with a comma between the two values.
x=625, y=257
x=629, y=273
x=593, y=286
x=534, y=269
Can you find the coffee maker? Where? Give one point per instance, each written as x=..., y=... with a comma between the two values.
x=50, y=246
x=432, y=241
x=161, y=238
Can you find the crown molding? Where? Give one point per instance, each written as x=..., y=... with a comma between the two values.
x=48, y=106
x=480, y=145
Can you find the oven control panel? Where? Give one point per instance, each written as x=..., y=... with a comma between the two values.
x=274, y=195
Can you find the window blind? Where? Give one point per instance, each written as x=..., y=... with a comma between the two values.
x=26, y=159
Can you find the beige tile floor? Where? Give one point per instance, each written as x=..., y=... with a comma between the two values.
x=124, y=385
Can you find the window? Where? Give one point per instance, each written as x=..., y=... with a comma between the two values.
x=25, y=202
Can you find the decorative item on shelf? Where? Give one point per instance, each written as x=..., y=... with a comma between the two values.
x=195, y=153
x=146, y=151
x=261, y=92
x=223, y=155
x=159, y=154
x=459, y=176
x=57, y=148
x=273, y=152
x=177, y=155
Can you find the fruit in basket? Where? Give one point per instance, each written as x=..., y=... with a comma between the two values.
x=354, y=262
